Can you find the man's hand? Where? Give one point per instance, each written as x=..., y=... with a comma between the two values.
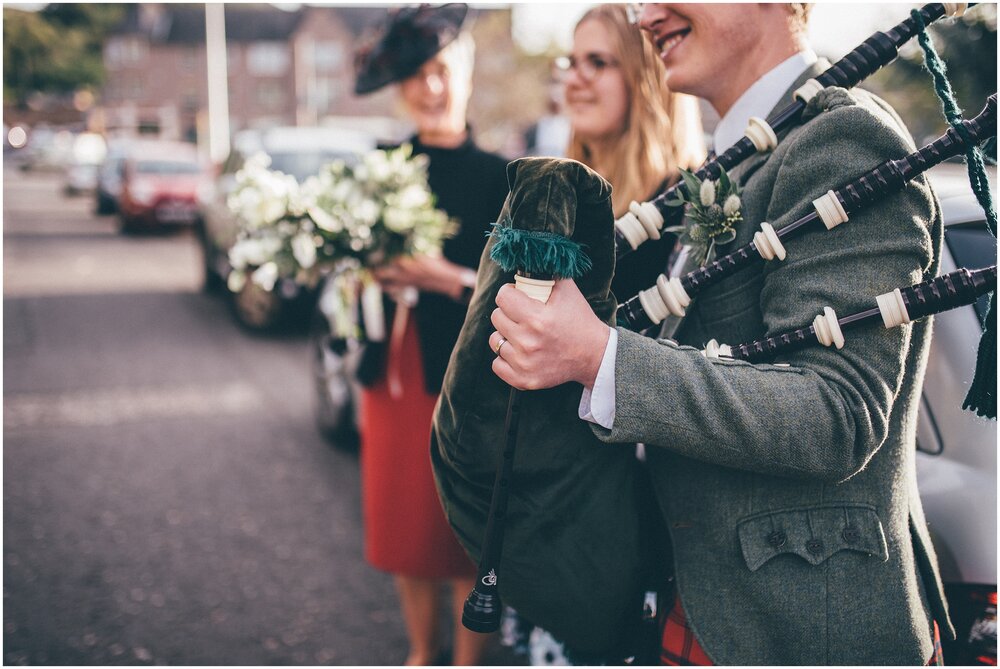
x=547, y=344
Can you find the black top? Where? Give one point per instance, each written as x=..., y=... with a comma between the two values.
x=470, y=185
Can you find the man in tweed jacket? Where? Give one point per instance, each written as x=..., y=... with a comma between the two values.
x=789, y=488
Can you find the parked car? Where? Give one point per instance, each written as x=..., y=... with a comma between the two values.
x=109, y=178
x=160, y=183
x=956, y=450
x=48, y=149
x=300, y=152
x=86, y=156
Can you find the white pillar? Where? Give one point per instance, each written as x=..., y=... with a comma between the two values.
x=218, y=81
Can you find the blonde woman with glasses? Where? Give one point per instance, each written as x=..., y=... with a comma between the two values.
x=626, y=125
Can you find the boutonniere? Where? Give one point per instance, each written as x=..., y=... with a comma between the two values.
x=712, y=216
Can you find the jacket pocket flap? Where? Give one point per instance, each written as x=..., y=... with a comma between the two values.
x=813, y=533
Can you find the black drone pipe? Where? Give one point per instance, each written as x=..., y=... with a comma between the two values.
x=904, y=305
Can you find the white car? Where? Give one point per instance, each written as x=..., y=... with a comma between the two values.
x=957, y=450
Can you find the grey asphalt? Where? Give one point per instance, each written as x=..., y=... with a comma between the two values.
x=167, y=499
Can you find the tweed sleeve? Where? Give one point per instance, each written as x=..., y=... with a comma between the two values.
x=827, y=412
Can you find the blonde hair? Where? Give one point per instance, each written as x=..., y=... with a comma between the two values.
x=800, y=12
x=662, y=129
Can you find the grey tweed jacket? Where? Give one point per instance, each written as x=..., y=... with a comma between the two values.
x=790, y=491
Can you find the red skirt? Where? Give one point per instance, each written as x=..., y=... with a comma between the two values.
x=406, y=532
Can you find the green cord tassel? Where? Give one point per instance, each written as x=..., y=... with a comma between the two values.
x=537, y=252
x=982, y=396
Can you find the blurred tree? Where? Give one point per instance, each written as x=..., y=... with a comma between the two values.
x=55, y=50
x=968, y=47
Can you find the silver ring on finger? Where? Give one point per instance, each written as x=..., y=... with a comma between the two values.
x=503, y=340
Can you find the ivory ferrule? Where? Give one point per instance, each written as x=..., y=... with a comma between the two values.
x=808, y=91
x=714, y=350
x=654, y=307
x=649, y=216
x=537, y=289
x=673, y=295
x=830, y=210
x=768, y=243
x=827, y=327
x=631, y=229
x=761, y=134
x=893, y=309
x=641, y=222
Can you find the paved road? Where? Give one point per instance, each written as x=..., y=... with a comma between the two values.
x=166, y=498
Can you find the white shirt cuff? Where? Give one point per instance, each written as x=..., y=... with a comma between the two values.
x=598, y=405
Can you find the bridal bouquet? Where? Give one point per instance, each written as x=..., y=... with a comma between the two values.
x=358, y=216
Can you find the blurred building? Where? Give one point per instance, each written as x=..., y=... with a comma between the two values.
x=295, y=67
x=285, y=68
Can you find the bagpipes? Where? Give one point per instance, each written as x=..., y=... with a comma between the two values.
x=645, y=220
x=671, y=296
x=559, y=529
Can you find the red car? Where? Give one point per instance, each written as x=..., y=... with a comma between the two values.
x=160, y=183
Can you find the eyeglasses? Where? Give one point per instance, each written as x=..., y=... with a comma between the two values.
x=634, y=11
x=589, y=68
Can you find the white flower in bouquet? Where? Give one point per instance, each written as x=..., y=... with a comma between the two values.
x=265, y=276
x=261, y=196
x=236, y=280
x=413, y=197
x=253, y=251
x=304, y=249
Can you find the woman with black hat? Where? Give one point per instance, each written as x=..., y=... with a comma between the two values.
x=424, y=51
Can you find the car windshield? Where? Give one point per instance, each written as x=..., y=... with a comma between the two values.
x=166, y=167
x=303, y=164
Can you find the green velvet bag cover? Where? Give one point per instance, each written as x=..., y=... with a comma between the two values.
x=571, y=558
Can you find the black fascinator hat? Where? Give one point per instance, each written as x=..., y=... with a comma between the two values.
x=410, y=37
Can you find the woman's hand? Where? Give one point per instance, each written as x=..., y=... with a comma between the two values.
x=432, y=274
x=547, y=344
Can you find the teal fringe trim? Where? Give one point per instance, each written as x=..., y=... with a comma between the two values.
x=982, y=396
x=537, y=252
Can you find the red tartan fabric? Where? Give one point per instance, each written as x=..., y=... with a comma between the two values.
x=679, y=648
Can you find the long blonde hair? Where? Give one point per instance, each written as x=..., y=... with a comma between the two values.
x=662, y=129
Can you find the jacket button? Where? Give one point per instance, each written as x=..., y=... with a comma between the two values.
x=851, y=534
x=814, y=546
x=777, y=538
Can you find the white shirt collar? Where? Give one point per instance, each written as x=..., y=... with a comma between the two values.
x=760, y=98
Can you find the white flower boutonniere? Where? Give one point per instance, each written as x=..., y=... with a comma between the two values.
x=712, y=217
